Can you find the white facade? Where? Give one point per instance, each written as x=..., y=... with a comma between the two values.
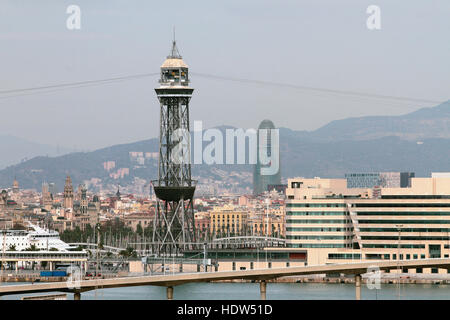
x=24, y=239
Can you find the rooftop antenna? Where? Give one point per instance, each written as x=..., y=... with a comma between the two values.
x=174, y=54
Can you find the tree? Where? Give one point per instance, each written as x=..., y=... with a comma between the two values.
x=12, y=247
x=128, y=252
x=148, y=231
x=32, y=248
x=139, y=229
x=18, y=226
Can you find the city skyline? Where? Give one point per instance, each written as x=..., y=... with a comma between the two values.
x=342, y=191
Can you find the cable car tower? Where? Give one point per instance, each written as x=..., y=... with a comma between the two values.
x=174, y=228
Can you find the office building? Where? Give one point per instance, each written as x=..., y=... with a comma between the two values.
x=262, y=181
x=330, y=223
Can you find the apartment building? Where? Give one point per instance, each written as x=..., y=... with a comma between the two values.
x=228, y=221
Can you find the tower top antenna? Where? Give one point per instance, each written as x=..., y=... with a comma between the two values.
x=174, y=53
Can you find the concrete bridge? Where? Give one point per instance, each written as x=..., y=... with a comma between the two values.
x=261, y=275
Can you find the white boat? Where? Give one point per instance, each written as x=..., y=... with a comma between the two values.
x=42, y=239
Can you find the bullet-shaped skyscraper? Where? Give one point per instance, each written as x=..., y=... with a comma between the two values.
x=261, y=181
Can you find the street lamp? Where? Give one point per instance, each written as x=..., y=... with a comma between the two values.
x=353, y=254
x=267, y=218
x=399, y=226
x=204, y=257
x=3, y=254
x=267, y=229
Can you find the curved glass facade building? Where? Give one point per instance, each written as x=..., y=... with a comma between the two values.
x=262, y=181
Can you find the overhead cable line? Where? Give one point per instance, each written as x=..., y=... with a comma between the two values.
x=324, y=90
x=56, y=87
x=78, y=84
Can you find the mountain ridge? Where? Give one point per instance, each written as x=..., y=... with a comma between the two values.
x=379, y=143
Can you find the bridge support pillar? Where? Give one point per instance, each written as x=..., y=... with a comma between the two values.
x=77, y=295
x=51, y=266
x=169, y=293
x=263, y=289
x=358, y=286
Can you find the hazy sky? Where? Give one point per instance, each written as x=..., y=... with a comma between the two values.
x=315, y=43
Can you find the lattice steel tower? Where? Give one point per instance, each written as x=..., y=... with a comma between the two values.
x=174, y=228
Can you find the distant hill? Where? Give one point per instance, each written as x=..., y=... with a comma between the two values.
x=334, y=159
x=418, y=142
x=426, y=123
x=80, y=165
x=15, y=150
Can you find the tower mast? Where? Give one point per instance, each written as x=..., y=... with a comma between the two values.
x=174, y=228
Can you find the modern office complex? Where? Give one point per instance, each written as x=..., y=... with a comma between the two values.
x=331, y=223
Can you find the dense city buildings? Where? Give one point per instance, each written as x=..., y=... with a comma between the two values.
x=331, y=223
x=320, y=221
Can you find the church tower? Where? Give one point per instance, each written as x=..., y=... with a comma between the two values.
x=15, y=188
x=84, y=204
x=68, y=194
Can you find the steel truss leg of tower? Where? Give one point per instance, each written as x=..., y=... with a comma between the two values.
x=173, y=227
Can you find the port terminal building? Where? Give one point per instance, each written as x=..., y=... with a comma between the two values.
x=329, y=222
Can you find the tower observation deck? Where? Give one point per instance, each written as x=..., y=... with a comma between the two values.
x=174, y=221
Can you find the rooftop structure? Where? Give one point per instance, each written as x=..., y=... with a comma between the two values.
x=379, y=179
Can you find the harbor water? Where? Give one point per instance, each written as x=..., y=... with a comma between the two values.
x=275, y=291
